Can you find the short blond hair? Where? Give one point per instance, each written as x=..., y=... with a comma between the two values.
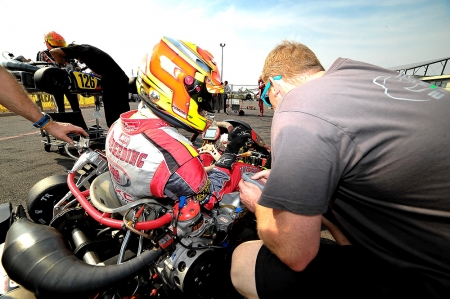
x=290, y=59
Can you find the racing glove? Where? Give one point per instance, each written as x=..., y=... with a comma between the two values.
x=237, y=138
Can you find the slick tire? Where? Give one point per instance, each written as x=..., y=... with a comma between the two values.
x=52, y=80
x=43, y=196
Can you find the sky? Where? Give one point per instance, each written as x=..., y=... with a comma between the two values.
x=386, y=33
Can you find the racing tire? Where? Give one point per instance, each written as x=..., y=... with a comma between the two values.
x=43, y=196
x=52, y=80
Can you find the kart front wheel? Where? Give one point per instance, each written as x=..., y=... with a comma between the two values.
x=43, y=196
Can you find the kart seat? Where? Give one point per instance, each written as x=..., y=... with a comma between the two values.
x=102, y=193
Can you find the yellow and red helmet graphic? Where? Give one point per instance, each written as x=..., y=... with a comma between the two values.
x=54, y=40
x=179, y=78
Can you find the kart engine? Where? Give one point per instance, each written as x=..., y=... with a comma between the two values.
x=191, y=257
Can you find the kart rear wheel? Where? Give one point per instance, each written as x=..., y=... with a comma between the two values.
x=43, y=196
x=52, y=80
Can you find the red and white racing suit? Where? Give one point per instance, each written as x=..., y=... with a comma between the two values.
x=148, y=157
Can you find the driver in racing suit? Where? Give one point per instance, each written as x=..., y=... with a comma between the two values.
x=147, y=155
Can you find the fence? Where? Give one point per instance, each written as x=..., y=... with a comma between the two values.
x=241, y=91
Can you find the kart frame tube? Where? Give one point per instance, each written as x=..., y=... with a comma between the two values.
x=104, y=218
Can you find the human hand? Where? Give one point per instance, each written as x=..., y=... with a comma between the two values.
x=60, y=131
x=237, y=138
x=249, y=194
x=264, y=175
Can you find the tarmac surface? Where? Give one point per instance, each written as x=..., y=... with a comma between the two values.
x=24, y=162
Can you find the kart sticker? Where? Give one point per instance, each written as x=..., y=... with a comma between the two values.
x=86, y=81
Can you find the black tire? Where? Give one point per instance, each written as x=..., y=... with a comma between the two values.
x=61, y=150
x=47, y=147
x=235, y=123
x=43, y=196
x=52, y=80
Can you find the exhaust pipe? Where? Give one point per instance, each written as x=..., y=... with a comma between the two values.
x=36, y=257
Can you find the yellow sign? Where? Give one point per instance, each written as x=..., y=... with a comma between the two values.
x=45, y=101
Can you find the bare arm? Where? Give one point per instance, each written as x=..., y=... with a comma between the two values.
x=58, y=55
x=13, y=97
x=294, y=238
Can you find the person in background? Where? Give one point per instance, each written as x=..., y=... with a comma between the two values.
x=225, y=95
x=214, y=100
x=54, y=40
x=14, y=98
x=113, y=79
x=367, y=149
x=261, y=87
x=220, y=99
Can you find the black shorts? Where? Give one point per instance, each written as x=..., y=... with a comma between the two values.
x=338, y=272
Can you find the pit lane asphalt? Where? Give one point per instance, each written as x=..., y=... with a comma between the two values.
x=24, y=162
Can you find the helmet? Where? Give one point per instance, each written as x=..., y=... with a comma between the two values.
x=54, y=40
x=177, y=82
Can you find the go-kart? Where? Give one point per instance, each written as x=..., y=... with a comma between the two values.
x=47, y=77
x=79, y=241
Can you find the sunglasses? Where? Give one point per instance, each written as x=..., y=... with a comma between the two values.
x=263, y=95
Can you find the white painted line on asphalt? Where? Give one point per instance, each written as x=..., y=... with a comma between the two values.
x=18, y=136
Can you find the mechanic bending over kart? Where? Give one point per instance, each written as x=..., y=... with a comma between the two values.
x=114, y=80
x=13, y=97
x=372, y=146
x=54, y=40
x=148, y=156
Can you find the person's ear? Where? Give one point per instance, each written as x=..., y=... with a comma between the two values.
x=275, y=85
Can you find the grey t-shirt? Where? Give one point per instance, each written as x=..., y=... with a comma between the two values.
x=375, y=145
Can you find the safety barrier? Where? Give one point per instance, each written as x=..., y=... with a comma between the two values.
x=45, y=101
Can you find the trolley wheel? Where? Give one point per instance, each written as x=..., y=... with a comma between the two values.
x=47, y=147
x=61, y=150
x=43, y=196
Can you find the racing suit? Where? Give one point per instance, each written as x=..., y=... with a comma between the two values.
x=149, y=157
